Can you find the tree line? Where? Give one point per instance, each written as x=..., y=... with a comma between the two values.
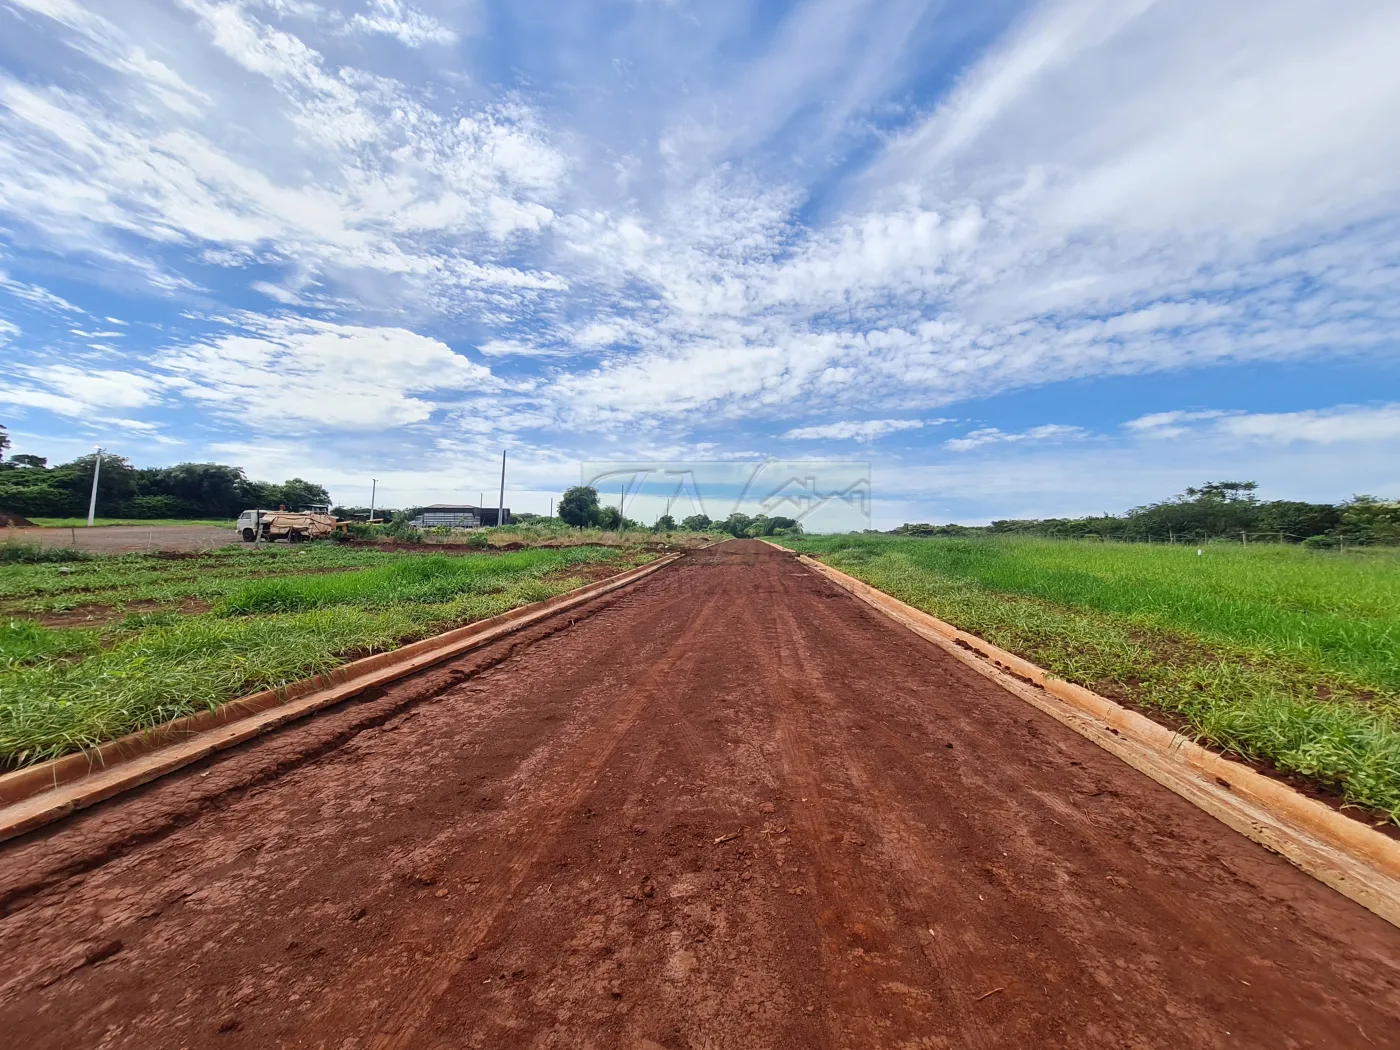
x=30, y=487
x=1215, y=510
x=579, y=507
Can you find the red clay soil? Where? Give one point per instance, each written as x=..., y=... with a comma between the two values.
x=731, y=807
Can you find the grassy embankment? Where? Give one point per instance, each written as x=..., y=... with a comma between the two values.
x=271, y=617
x=1274, y=653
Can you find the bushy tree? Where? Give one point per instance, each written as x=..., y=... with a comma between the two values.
x=665, y=523
x=607, y=517
x=1366, y=519
x=297, y=493
x=579, y=506
x=1296, y=521
x=696, y=523
x=736, y=524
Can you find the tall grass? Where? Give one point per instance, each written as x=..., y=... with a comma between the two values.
x=1273, y=652
x=418, y=579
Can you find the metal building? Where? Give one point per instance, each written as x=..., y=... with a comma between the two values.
x=455, y=516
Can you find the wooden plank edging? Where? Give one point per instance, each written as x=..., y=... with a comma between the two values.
x=1352, y=858
x=40, y=794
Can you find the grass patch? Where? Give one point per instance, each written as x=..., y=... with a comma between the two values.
x=33, y=554
x=421, y=579
x=1272, y=652
x=117, y=579
x=23, y=642
x=65, y=689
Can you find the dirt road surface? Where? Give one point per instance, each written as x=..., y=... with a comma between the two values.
x=729, y=808
x=124, y=539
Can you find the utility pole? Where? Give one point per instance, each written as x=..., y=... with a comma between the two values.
x=501, y=507
x=373, y=488
x=92, y=500
x=622, y=509
x=551, y=508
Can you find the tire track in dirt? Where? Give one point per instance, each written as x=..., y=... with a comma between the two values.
x=578, y=772
x=950, y=970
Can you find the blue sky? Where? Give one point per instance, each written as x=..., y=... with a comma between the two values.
x=1024, y=258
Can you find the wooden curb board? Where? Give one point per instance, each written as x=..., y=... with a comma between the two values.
x=1353, y=859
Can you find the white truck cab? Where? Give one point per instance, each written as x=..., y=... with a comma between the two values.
x=247, y=523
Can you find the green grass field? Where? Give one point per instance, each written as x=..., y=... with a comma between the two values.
x=80, y=523
x=1272, y=652
x=273, y=616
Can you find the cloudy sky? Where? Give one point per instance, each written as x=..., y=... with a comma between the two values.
x=1023, y=257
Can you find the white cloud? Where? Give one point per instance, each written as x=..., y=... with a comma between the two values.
x=106, y=388
x=1323, y=427
x=514, y=348
x=324, y=171
x=1326, y=426
x=865, y=430
x=301, y=375
x=992, y=436
x=1168, y=424
x=1117, y=188
x=36, y=296
x=409, y=25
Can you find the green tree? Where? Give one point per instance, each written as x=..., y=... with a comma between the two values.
x=1366, y=519
x=297, y=493
x=4, y=440
x=607, y=517
x=697, y=523
x=736, y=524
x=665, y=523
x=197, y=489
x=30, y=462
x=1295, y=521
x=579, y=506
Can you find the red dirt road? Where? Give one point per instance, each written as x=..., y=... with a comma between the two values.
x=730, y=808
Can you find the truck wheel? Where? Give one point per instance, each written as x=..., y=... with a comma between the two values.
x=249, y=536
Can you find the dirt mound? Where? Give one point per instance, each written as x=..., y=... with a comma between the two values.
x=19, y=521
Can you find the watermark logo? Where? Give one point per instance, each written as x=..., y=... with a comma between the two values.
x=823, y=495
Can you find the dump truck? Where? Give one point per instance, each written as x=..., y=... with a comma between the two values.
x=292, y=526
